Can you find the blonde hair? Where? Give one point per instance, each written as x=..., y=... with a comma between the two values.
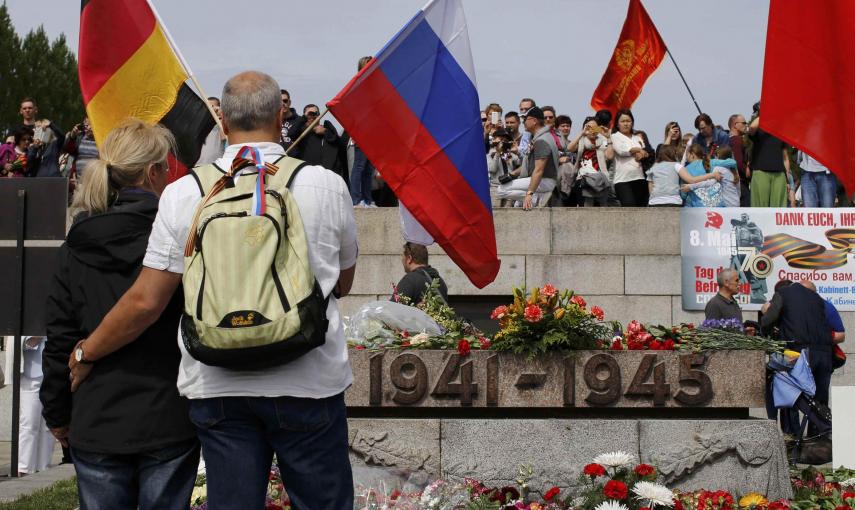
x=124, y=158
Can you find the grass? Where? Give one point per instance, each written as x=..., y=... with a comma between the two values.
x=59, y=496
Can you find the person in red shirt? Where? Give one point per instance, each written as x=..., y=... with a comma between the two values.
x=738, y=127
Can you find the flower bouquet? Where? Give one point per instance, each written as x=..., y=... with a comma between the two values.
x=614, y=481
x=726, y=334
x=639, y=337
x=546, y=320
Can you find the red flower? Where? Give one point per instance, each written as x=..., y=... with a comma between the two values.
x=690, y=326
x=405, y=334
x=781, y=504
x=578, y=301
x=551, y=493
x=635, y=345
x=615, y=489
x=499, y=312
x=655, y=345
x=617, y=345
x=484, y=342
x=533, y=313
x=843, y=507
x=678, y=505
x=594, y=470
x=644, y=508
x=634, y=327
x=359, y=347
x=598, y=312
x=463, y=347
x=395, y=494
x=548, y=290
x=669, y=345
x=644, y=470
x=405, y=343
x=847, y=495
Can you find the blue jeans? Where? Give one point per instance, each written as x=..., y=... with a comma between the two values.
x=158, y=480
x=309, y=436
x=819, y=189
x=361, y=178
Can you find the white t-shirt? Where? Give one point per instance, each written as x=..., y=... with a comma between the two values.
x=626, y=167
x=327, y=212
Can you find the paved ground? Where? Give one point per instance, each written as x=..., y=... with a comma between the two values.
x=13, y=488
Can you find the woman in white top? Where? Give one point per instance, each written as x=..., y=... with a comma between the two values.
x=630, y=149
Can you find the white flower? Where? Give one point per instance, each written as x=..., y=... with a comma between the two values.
x=419, y=339
x=656, y=494
x=611, y=504
x=850, y=483
x=614, y=459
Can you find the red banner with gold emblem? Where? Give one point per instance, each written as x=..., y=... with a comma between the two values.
x=638, y=53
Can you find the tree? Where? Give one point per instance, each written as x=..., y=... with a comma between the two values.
x=37, y=68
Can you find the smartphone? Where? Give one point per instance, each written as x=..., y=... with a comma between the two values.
x=494, y=118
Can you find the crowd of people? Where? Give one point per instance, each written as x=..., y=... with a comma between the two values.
x=610, y=162
x=534, y=159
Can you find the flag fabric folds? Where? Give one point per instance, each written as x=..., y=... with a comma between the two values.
x=128, y=68
x=637, y=55
x=808, y=91
x=414, y=111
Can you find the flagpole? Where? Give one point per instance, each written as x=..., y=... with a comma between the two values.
x=684, y=80
x=306, y=131
x=186, y=66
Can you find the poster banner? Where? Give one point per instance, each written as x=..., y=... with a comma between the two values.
x=766, y=245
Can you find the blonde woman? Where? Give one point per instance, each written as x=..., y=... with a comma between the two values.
x=131, y=439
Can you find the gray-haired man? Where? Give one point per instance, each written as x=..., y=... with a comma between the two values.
x=723, y=305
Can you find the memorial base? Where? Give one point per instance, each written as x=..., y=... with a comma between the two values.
x=739, y=456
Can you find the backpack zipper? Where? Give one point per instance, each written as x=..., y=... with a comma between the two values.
x=198, y=248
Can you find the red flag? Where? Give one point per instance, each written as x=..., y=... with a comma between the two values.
x=638, y=53
x=808, y=94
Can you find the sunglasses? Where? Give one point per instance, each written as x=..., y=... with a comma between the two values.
x=312, y=114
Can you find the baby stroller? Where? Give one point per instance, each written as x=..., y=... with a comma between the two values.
x=793, y=387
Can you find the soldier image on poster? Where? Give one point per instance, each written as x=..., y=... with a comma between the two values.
x=748, y=235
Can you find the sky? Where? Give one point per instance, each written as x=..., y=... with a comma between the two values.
x=554, y=51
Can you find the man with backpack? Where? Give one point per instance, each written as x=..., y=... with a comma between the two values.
x=266, y=246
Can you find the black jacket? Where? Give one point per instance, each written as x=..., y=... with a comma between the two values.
x=415, y=283
x=129, y=403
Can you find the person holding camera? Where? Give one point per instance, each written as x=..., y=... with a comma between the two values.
x=593, y=151
x=80, y=144
x=502, y=164
x=541, y=165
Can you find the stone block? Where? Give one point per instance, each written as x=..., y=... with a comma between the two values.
x=379, y=231
x=493, y=450
x=652, y=275
x=375, y=274
x=388, y=453
x=649, y=309
x=678, y=315
x=511, y=274
x=739, y=456
x=523, y=232
x=584, y=231
x=403, y=380
x=585, y=274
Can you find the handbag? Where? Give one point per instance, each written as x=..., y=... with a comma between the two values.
x=838, y=357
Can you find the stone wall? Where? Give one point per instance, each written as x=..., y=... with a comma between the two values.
x=626, y=261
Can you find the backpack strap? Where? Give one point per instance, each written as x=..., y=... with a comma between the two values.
x=206, y=176
x=288, y=169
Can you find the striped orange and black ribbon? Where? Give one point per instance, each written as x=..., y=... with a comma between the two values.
x=128, y=68
x=803, y=254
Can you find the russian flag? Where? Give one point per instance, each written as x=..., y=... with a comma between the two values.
x=414, y=111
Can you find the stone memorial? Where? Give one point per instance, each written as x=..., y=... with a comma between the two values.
x=420, y=414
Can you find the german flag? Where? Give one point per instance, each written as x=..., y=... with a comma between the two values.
x=128, y=68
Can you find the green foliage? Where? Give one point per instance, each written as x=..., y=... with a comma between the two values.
x=59, y=496
x=38, y=68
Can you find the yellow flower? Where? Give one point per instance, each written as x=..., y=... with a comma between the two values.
x=753, y=500
x=559, y=313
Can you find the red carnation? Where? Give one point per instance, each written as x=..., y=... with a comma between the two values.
x=395, y=494
x=644, y=470
x=617, y=345
x=484, y=342
x=499, y=312
x=669, y=345
x=678, y=505
x=533, y=313
x=463, y=347
x=594, y=470
x=781, y=504
x=843, y=507
x=598, y=312
x=615, y=489
x=578, y=301
x=405, y=343
x=655, y=345
x=634, y=345
x=548, y=290
x=847, y=495
x=644, y=508
x=551, y=493
x=359, y=347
